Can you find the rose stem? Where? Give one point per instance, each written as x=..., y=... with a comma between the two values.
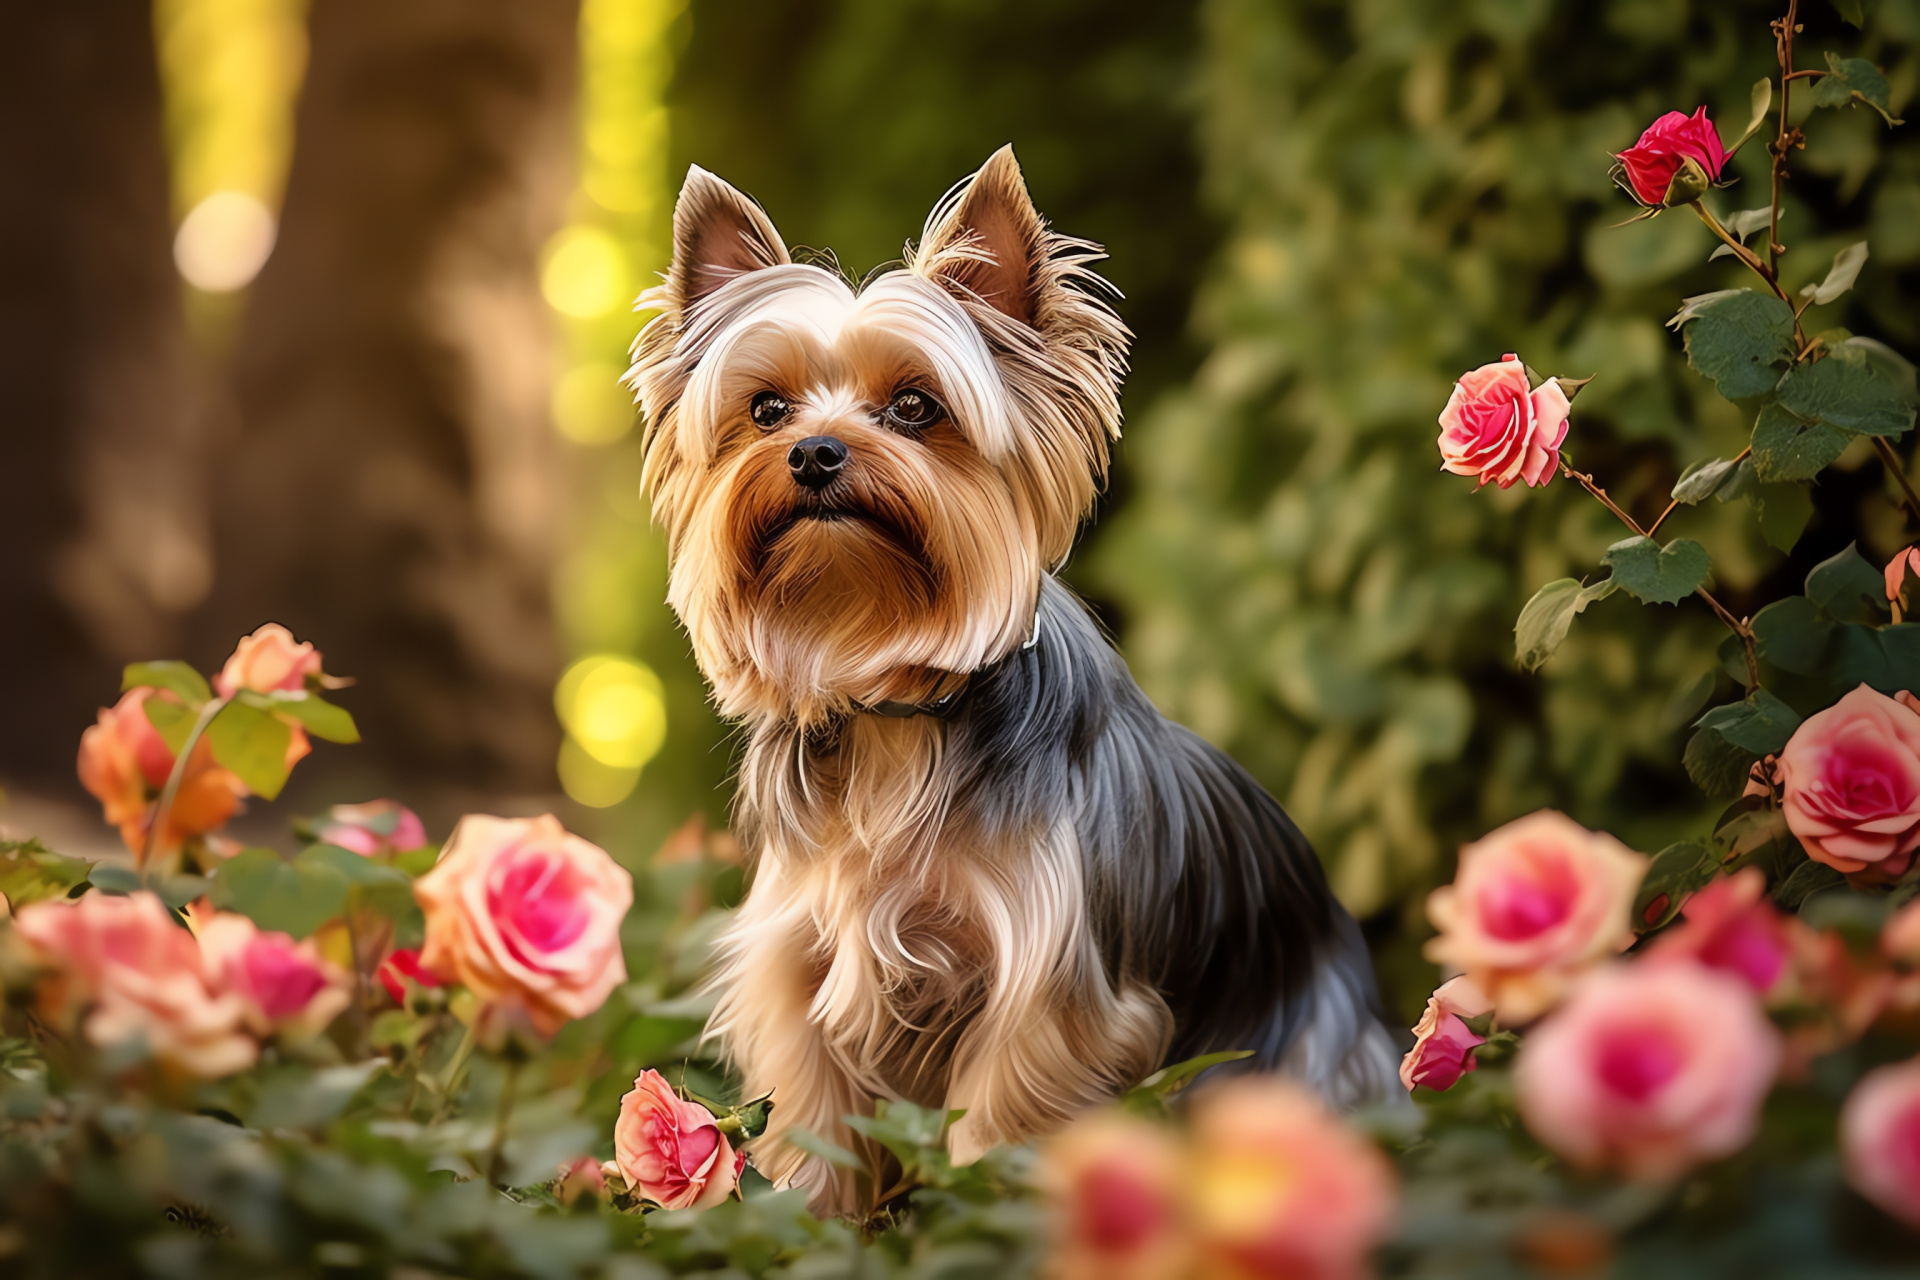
x=163, y=808
x=1655, y=526
x=451, y=1076
x=497, y=1151
x=1735, y=625
x=1911, y=500
x=1783, y=48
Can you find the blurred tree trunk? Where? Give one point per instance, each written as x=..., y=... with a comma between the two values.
x=99, y=462
x=388, y=488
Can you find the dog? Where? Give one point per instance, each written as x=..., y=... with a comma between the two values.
x=989, y=875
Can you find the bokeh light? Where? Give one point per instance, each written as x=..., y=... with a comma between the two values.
x=586, y=273
x=590, y=406
x=222, y=244
x=614, y=708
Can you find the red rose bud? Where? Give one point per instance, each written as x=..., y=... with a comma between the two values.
x=402, y=967
x=1675, y=161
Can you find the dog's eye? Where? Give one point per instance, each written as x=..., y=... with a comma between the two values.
x=913, y=408
x=769, y=409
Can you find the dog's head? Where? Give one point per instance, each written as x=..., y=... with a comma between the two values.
x=863, y=488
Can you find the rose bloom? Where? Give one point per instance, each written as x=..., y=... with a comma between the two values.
x=1533, y=905
x=671, y=1151
x=376, y=827
x=1669, y=143
x=268, y=661
x=1114, y=1183
x=1850, y=785
x=1730, y=925
x=1649, y=1069
x=285, y=985
x=402, y=967
x=527, y=917
x=1278, y=1186
x=125, y=763
x=135, y=975
x=1497, y=428
x=1880, y=1139
x=1443, y=1044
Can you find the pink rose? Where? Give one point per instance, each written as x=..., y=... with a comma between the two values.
x=284, y=985
x=579, y=1179
x=1900, y=938
x=1649, y=1069
x=376, y=827
x=268, y=661
x=527, y=917
x=1850, y=785
x=125, y=763
x=134, y=974
x=1497, y=428
x=402, y=967
x=1880, y=1139
x=1278, y=1186
x=1664, y=149
x=1443, y=1044
x=1730, y=925
x=1114, y=1183
x=671, y=1151
x=1533, y=905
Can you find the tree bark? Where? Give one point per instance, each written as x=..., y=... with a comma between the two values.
x=388, y=486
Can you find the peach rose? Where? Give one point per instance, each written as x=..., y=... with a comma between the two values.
x=1730, y=925
x=1898, y=570
x=125, y=763
x=125, y=970
x=1114, y=1183
x=671, y=1151
x=268, y=661
x=1443, y=1044
x=578, y=1179
x=284, y=985
x=1498, y=428
x=376, y=827
x=1880, y=1139
x=1900, y=938
x=1533, y=905
x=1850, y=784
x=1649, y=1069
x=527, y=917
x=1278, y=1186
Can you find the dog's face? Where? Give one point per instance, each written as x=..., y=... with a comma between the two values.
x=862, y=489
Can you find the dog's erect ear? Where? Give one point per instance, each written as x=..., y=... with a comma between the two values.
x=986, y=237
x=718, y=234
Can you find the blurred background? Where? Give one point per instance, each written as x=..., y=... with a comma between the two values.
x=313, y=312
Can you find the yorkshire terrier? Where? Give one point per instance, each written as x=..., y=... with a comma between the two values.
x=989, y=875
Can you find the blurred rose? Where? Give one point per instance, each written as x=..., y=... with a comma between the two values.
x=1831, y=996
x=1898, y=568
x=1880, y=1138
x=268, y=661
x=580, y=1178
x=1850, y=784
x=1731, y=925
x=1497, y=428
x=1900, y=939
x=1534, y=904
x=1278, y=1186
x=1114, y=1183
x=1442, y=1043
x=125, y=763
x=136, y=975
x=285, y=985
x=1649, y=1069
x=376, y=827
x=402, y=967
x=671, y=1151
x=1664, y=149
x=527, y=917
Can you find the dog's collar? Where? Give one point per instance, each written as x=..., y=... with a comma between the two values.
x=944, y=701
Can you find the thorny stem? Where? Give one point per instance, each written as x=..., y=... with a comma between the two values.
x=163, y=808
x=1738, y=626
x=1655, y=526
x=1898, y=469
x=1745, y=254
x=1783, y=46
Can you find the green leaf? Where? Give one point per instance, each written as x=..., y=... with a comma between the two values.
x=177, y=676
x=1169, y=1080
x=1759, y=100
x=1656, y=574
x=1786, y=447
x=1729, y=739
x=1790, y=634
x=1697, y=482
x=110, y=877
x=352, y=867
x=1847, y=588
x=1840, y=277
x=1851, y=78
x=1740, y=339
x=294, y=897
x=323, y=719
x=172, y=721
x=1677, y=872
x=1854, y=388
x=29, y=872
x=1544, y=622
x=1784, y=510
x=1803, y=882
x=831, y=1152
x=1850, y=11
x=1885, y=658
x=252, y=743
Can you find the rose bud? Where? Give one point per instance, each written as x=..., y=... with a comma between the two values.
x=1880, y=1139
x=580, y=1178
x=125, y=764
x=1649, y=1069
x=1114, y=1184
x=1730, y=925
x=1497, y=427
x=1443, y=1044
x=374, y=828
x=672, y=1151
x=1903, y=571
x=1674, y=147
x=1535, y=904
x=402, y=967
x=1850, y=785
x=268, y=661
x=284, y=985
x=526, y=917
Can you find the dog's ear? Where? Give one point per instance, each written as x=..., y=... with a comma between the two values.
x=718, y=235
x=985, y=238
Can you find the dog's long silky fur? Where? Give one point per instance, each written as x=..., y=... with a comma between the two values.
x=1022, y=907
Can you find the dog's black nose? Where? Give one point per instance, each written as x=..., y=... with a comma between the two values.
x=816, y=460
